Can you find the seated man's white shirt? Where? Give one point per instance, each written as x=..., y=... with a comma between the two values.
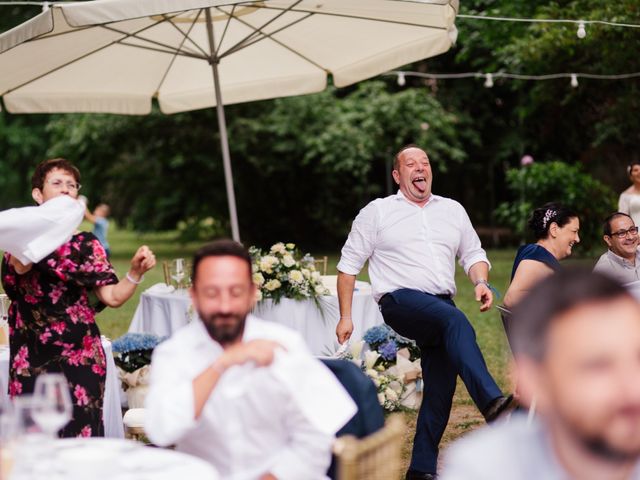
x=279, y=419
x=409, y=246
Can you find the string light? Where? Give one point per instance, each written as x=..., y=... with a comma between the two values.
x=582, y=32
x=574, y=80
x=490, y=77
x=549, y=20
x=401, y=79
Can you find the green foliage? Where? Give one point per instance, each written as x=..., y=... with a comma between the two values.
x=195, y=229
x=539, y=183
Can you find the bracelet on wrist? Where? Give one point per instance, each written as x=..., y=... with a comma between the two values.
x=481, y=282
x=131, y=279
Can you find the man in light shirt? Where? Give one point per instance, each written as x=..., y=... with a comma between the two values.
x=576, y=344
x=620, y=261
x=411, y=240
x=239, y=392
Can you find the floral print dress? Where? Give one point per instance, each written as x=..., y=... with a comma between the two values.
x=52, y=326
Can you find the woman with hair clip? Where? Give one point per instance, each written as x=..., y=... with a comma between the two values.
x=555, y=229
x=629, y=201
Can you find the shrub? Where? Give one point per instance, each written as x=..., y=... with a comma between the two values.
x=539, y=183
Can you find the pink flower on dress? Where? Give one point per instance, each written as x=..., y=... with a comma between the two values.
x=80, y=313
x=85, y=432
x=57, y=292
x=44, y=337
x=15, y=388
x=30, y=299
x=88, y=346
x=21, y=360
x=99, y=370
x=19, y=322
x=64, y=250
x=10, y=280
x=58, y=327
x=81, y=399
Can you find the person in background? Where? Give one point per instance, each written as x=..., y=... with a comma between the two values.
x=411, y=241
x=239, y=392
x=629, y=201
x=621, y=261
x=555, y=229
x=52, y=313
x=100, y=221
x=576, y=342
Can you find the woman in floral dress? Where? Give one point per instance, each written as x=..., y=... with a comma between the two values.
x=52, y=324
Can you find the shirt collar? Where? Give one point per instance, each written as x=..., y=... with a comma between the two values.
x=623, y=261
x=432, y=198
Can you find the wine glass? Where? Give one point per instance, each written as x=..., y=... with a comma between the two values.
x=178, y=271
x=52, y=406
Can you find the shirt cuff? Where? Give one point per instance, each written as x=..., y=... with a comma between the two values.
x=472, y=260
x=347, y=267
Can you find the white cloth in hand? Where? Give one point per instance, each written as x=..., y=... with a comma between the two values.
x=32, y=233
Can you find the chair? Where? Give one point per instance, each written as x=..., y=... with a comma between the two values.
x=375, y=457
x=321, y=264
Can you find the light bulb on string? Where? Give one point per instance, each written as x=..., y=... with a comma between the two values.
x=582, y=32
x=574, y=80
x=488, y=83
x=401, y=79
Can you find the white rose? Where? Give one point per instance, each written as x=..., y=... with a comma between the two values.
x=381, y=399
x=371, y=373
x=258, y=279
x=291, y=246
x=272, y=285
x=267, y=263
x=391, y=395
x=295, y=276
x=258, y=295
x=315, y=276
x=370, y=358
x=306, y=272
x=288, y=261
x=320, y=290
x=278, y=248
x=356, y=349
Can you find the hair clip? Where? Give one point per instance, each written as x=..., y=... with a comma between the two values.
x=548, y=215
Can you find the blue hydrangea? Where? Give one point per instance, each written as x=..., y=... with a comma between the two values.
x=130, y=342
x=388, y=350
x=376, y=335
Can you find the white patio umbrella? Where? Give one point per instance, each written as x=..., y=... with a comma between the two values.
x=115, y=56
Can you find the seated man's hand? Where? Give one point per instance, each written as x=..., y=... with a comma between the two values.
x=260, y=352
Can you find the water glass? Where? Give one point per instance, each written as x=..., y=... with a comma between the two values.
x=52, y=406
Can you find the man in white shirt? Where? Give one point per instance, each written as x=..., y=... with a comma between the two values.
x=621, y=261
x=411, y=240
x=239, y=392
x=576, y=343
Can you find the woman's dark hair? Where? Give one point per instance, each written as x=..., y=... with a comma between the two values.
x=632, y=164
x=41, y=171
x=553, y=212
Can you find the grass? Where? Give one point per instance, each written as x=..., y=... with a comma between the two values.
x=488, y=326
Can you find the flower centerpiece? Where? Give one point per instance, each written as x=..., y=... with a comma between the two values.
x=132, y=355
x=283, y=272
x=393, y=364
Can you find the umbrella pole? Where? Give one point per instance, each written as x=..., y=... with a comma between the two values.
x=224, y=141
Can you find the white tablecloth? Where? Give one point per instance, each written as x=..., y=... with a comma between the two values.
x=110, y=459
x=112, y=413
x=163, y=313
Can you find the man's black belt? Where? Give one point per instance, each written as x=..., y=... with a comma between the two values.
x=443, y=296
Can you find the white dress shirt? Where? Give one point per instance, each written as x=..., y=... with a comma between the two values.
x=409, y=246
x=279, y=419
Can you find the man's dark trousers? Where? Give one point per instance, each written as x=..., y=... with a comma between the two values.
x=448, y=347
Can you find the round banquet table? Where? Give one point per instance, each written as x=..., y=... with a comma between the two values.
x=161, y=311
x=106, y=458
x=112, y=413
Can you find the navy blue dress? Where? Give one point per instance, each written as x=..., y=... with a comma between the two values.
x=533, y=251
